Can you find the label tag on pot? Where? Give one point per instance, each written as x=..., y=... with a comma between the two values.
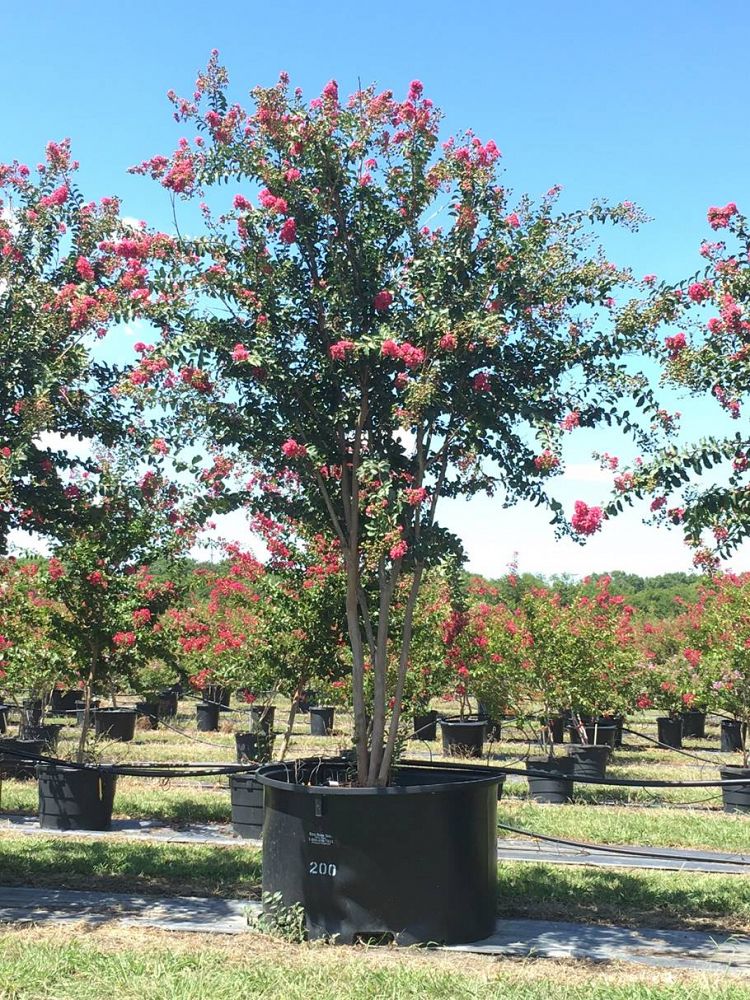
x=320, y=839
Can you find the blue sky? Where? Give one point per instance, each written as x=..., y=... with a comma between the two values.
x=637, y=100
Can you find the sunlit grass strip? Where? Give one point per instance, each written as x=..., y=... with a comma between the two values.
x=38, y=964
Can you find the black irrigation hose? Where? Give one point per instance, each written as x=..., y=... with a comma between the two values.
x=146, y=770
x=187, y=736
x=624, y=782
x=741, y=859
x=666, y=746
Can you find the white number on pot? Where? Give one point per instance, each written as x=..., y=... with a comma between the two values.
x=322, y=868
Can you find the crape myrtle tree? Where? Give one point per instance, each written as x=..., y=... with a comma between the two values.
x=370, y=321
x=105, y=603
x=65, y=277
x=705, y=324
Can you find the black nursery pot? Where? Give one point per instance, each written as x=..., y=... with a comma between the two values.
x=493, y=731
x=75, y=799
x=62, y=702
x=694, y=723
x=247, y=805
x=731, y=735
x=554, y=785
x=207, y=717
x=669, y=731
x=217, y=695
x=555, y=728
x=253, y=747
x=168, y=703
x=601, y=734
x=307, y=698
x=13, y=764
x=115, y=723
x=32, y=711
x=357, y=859
x=321, y=720
x=588, y=761
x=262, y=719
x=80, y=709
x=463, y=737
x=148, y=710
x=736, y=797
x=48, y=734
x=425, y=726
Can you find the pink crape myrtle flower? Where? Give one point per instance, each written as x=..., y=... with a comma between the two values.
x=382, y=300
x=586, y=520
x=293, y=449
x=340, y=349
x=240, y=353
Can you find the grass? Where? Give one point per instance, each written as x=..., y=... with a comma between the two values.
x=638, y=898
x=125, y=866
x=52, y=964
x=681, y=900
x=662, y=827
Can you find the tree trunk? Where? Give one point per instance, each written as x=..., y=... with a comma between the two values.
x=292, y=716
x=87, y=705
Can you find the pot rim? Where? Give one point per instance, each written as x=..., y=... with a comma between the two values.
x=456, y=720
x=465, y=775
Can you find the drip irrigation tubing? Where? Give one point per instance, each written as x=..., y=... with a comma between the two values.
x=187, y=736
x=740, y=859
x=624, y=782
x=666, y=746
x=154, y=769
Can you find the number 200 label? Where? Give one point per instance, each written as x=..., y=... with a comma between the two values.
x=322, y=868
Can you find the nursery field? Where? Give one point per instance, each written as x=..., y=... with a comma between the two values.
x=653, y=817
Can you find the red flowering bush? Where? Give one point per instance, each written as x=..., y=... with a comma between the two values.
x=33, y=653
x=64, y=279
x=355, y=353
x=721, y=639
x=106, y=604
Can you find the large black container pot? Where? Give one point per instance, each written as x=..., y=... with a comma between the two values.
x=80, y=709
x=588, y=761
x=307, y=698
x=148, y=710
x=463, y=737
x=359, y=860
x=48, y=734
x=425, y=726
x=32, y=711
x=256, y=747
x=694, y=723
x=669, y=731
x=217, y=695
x=75, y=799
x=207, y=717
x=4, y=709
x=62, y=702
x=321, y=720
x=600, y=734
x=247, y=805
x=554, y=783
x=262, y=719
x=168, y=703
x=731, y=735
x=115, y=723
x=13, y=763
x=736, y=797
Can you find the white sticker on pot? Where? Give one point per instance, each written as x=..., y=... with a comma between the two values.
x=320, y=839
